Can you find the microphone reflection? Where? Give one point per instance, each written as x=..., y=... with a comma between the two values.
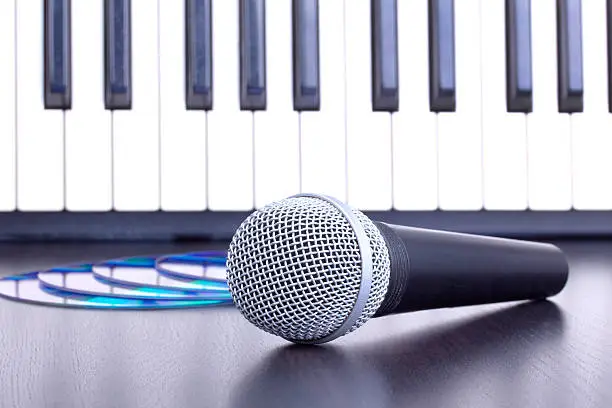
x=436, y=368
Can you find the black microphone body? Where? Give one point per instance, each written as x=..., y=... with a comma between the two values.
x=437, y=269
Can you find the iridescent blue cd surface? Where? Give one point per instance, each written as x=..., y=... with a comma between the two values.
x=120, y=272
x=209, y=266
x=79, y=279
x=27, y=288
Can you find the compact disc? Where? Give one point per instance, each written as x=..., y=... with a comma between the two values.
x=193, y=266
x=211, y=257
x=121, y=272
x=26, y=288
x=79, y=279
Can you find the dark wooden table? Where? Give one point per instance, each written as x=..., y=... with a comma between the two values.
x=547, y=354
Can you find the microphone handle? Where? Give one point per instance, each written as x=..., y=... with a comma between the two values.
x=437, y=269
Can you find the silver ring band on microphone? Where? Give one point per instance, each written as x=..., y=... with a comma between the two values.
x=366, y=268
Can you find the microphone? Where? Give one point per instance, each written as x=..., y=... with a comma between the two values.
x=310, y=269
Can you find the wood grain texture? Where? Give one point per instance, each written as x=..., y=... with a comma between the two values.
x=547, y=354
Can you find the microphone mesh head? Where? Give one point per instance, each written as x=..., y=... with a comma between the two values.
x=295, y=268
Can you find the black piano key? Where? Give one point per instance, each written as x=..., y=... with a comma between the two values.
x=58, y=64
x=442, y=88
x=609, y=43
x=118, y=60
x=252, y=55
x=569, y=55
x=385, y=76
x=198, y=64
x=306, y=83
x=519, y=80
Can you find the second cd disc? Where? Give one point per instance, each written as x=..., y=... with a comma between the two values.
x=121, y=272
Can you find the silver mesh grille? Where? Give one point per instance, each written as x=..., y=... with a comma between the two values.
x=294, y=268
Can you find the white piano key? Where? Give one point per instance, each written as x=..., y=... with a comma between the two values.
x=548, y=131
x=592, y=129
x=460, y=132
x=40, y=132
x=89, y=183
x=136, y=131
x=323, y=133
x=183, y=132
x=230, y=130
x=368, y=133
x=415, y=166
x=504, y=133
x=7, y=106
x=276, y=143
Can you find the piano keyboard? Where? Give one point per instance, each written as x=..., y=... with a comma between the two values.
x=443, y=113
